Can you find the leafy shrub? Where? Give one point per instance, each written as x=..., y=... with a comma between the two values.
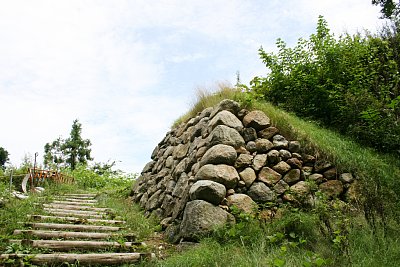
x=87, y=178
x=351, y=84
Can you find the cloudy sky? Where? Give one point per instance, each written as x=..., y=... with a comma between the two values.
x=128, y=68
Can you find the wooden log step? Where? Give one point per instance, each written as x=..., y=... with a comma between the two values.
x=66, y=245
x=92, y=258
x=77, y=200
x=83, y=216
x=70, y=235
x=86, y=212
x=80, y=195
x=75, y=207
x=74, y=227
x=72, y=203
x=74, y=219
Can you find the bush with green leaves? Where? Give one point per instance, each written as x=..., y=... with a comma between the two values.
x=350, y=83
x=87, y=178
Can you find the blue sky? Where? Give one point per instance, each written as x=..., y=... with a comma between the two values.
x=128, y=69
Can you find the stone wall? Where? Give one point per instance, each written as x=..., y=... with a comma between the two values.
x=227, y=156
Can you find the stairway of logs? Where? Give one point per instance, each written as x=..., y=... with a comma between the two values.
x=75, y=230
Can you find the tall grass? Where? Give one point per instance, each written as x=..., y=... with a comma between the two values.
x=205, y=98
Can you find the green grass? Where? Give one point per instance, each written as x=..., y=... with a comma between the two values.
x=323, y=236
x=137, y=223
x=332, y=237
x=209, y=98
x=114, y=196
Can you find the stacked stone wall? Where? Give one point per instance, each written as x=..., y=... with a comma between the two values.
x=227, y=156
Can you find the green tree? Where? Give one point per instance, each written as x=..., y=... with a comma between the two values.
x=3, y=157
x=389, y=9
x=69, y=152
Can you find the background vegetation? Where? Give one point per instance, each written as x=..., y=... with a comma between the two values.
x=69, y=152
x=350, y=84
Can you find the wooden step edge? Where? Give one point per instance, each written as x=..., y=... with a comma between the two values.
x=78, y=197
x=83, y=216
x=81, y=195
x=77, y=227
x=66, y=245
x=90, y=258
x=47, y=234
x=76, y=220
x=61, y=202
x=86, y=212
x=76, y=207
x=76, y=200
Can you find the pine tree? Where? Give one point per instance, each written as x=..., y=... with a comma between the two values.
x=69, y=152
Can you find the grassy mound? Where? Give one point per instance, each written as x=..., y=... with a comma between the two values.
x=330, y=234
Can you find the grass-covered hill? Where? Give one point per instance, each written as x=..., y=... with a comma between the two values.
x=361, y=234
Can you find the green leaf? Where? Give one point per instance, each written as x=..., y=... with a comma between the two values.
x=320, y=262
x=279, y=262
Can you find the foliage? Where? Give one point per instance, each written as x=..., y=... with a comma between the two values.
x=389, y=8
x=87, y=178
x=350, y=84
x=68, y=152
x=102, y=168
x=3, y=157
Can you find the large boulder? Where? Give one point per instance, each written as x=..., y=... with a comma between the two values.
x=181, y=151
x=282, y=167
x=243, y=161
x=219, y=154
x=292, y=176
x=201, y=217
x=263, y=145
x=257, y=120
x=268, y=133
x=300, y=189
x=269, y=176
x=226, y=118
x=249, y=134
x=259, y=161
x=223, y=174
x=209, y=191
x=248, y=175
x=226, y=104
x=243, y=202
x=225, y=135
x=331, y=188
x=280, y=142
x=259, y=192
